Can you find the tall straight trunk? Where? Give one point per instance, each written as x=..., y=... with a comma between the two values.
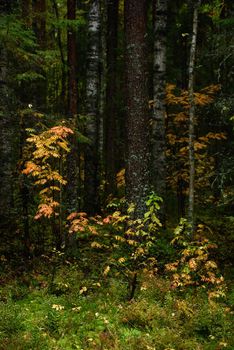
x=137, y=171
x=62, y=95
x=111, y=98
x=26, y=12
x=6, y=132
x=192, y=117
x=158, y=164
x=91, y=201
x=72, y=162
x=23, y=187
x=40, y=21
x=39, y=26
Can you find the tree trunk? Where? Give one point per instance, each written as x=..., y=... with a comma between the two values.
x=39, y=27
x=158, y=164
x=6, y=133
x=137, y=171
x=62, y=95
x=192, y=117
x=91, y=201
x=40, y=21
x=26, y=12
x=111, y=98
x=72, y=162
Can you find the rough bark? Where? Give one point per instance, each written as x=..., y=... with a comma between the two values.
x=158, y=146
x=62, y=95
x=72, y=168
x=6, y=133
x=111, y=92
x=39, y=7
x=192, y=117
x=92, y=96
x=137, y=174
x=26, y=12
x=39, y=26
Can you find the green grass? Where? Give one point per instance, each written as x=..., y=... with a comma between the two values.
x=37, y=314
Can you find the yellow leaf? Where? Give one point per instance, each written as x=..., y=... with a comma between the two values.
x=96, y=245
x=106, y=271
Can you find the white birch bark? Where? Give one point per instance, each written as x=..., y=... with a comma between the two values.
x=92, y=98
x=159, y=111
x=192, y=117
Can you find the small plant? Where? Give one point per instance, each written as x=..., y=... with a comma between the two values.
x=194, y=267
x=129, y=241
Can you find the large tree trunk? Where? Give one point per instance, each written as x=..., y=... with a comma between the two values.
x=62, y=94
x=72, y=162
x=111, y=96
x=26, y=12
x=39, y=26
x=192, y=117
x=39, y=7
x=91, y=185
x=137, y=173
x=7, y=121
x=158, y=164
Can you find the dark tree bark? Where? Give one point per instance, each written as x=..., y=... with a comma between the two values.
x=91, y=200
x=72, y=162
x=26, y=12
x=39, y=14
x=158, y=146
x=137, y=172
x=39, y=7
x=192, y=117
x=111, y=96
x=7, y=131
x=62, y=95
x=23, y=188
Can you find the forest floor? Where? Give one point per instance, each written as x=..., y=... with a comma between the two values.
x=62, y=307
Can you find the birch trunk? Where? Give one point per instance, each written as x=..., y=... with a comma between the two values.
x=137, y=173
x=91, y=184
x=72, y=162
x=111, y=96
x=158, y=164
x=192, y=117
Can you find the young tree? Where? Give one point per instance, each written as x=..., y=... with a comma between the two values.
x=137, y=174
x=158, y=142
x=92, y=96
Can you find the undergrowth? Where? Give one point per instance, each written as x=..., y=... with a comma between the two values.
x=77, y=310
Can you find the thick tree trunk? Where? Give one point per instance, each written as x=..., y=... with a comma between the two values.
x=192, y=117
x=72, y=162
x=6, y=133
x=137, y=171
x=111, y=96
x=39, y=26
x=91, y=185
x=26, y=12
x=39, y=7
x=62, y=94
x=158, y=164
